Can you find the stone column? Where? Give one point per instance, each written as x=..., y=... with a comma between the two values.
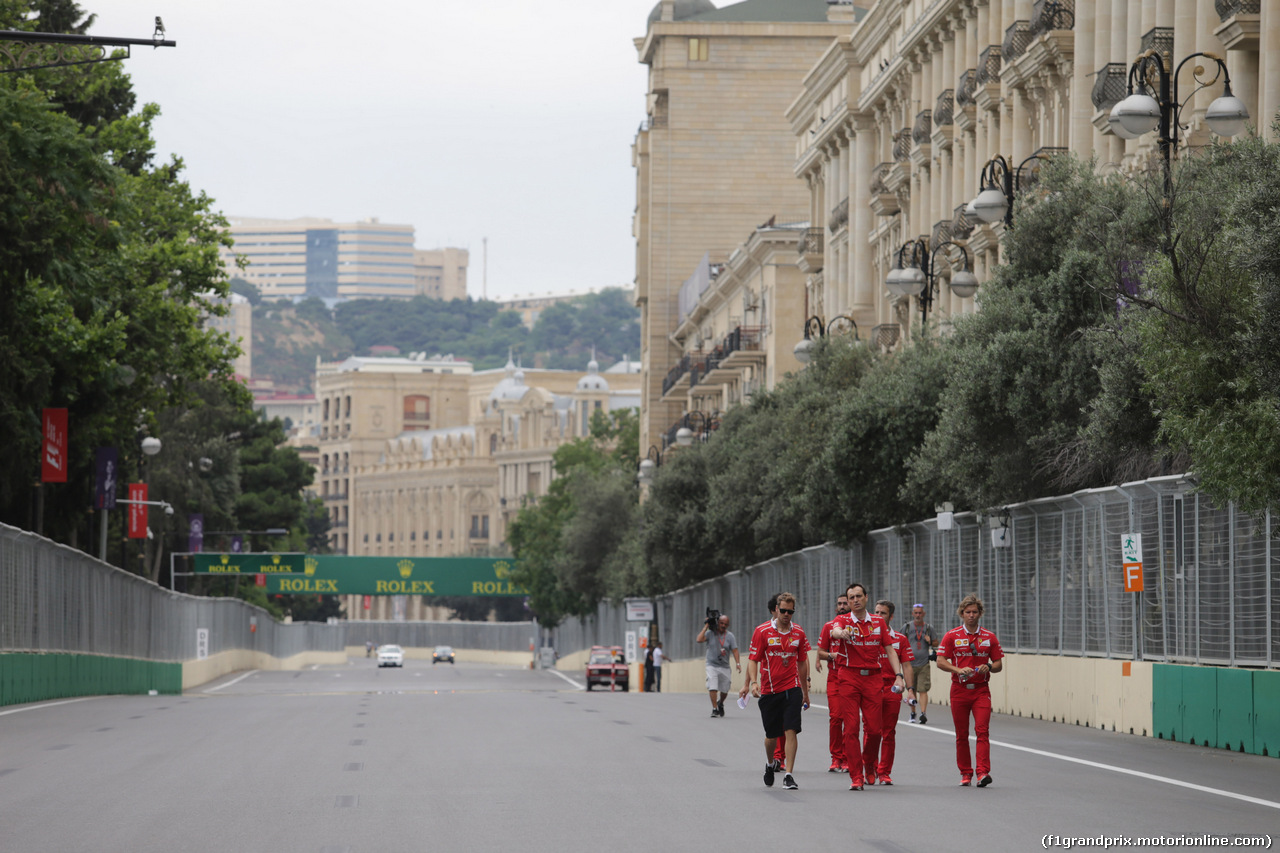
x=1269, y=70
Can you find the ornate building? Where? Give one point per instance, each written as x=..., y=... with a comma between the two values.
x=896, y=121
x=425, y=457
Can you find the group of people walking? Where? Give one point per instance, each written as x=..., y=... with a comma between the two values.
x=870, y=669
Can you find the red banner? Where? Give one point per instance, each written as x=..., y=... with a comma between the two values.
x=260, y=580
x=368, y=602
x=137, y=512
x=53, y=456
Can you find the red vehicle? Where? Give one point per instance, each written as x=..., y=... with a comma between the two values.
x=607, y=667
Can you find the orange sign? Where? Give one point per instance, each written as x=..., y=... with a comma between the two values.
x=1133, y=577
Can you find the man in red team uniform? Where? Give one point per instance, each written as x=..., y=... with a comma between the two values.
x=780, y=752
x=892, y=701
x=971, y=654
x=778, y=675
x=835, y=725
x=863, y=639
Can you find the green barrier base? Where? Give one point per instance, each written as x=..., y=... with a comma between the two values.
x=38, y=677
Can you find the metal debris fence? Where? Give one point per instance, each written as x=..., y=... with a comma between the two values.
x=1052, y=584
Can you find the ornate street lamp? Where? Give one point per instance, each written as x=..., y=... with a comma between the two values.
x=1141, y=112
x=651, y=461
x=914, y=274
x=997, y=189
x=815, y=328
x=685, y=435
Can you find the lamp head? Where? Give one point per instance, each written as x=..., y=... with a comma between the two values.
x=151, y=445
x=646, y=471
x=803, y=351
x=684, y=436
x=913, y=281
x=1226, y=115
x=964, y=284
x=894, y=282
x=1138, y=114
x=990, y=205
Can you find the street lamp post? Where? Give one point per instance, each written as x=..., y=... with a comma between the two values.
x=651, y=461
x=1141, y=113
x=815, y=328
x=914, y=274
x=685, y=435
x=997, y=188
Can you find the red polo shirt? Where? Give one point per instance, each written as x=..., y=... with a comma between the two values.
x=863, y=650
x=778, y=654
x=964, y=649
x=905, y=656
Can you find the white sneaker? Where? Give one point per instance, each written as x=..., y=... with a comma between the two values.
x=788, y=782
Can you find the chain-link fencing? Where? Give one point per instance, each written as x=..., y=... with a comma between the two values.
x=1050, y=573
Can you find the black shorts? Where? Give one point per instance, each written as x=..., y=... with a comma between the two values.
x=780, y=712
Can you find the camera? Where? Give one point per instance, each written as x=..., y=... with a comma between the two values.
x=713, y=618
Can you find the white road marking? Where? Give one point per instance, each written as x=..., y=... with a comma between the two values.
x=47, y=705
x=567, y=678
x=1125, y=770
x=232, y=681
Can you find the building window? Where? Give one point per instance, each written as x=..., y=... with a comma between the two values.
x=348, y=412
x=417, y=412
x=698, y=49
x=493, y=443
x=326, y=410
x=479, y=527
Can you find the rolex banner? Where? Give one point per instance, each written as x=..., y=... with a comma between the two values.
x=309, y=574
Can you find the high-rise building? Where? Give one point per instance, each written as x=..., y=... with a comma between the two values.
x=298, y=258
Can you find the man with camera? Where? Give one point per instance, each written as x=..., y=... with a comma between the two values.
x=720, y=644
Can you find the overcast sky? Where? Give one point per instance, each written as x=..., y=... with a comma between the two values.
x=464, y=118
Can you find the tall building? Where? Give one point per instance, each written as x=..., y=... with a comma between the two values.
x=298, y=258
x=440, y=273
x=714, y=155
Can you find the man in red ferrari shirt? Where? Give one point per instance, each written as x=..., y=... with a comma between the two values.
x=971, y=654
x=778, y=675
x=780, y=752
x=835, y=724
x=860, y=688
x=892, y=701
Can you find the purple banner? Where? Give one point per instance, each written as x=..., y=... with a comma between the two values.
x=104, y=490
x=237, y=544
x=195, y=532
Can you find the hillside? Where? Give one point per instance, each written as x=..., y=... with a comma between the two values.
x=288, y=337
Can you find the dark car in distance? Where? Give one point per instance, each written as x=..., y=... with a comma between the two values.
x=607, y=668
x=442, y=653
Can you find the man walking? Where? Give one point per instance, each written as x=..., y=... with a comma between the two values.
x=860, y=686
x=835, y=725
x=892, y=702
x=779, y=752
x=778, y=675
x=720, y=644
x=924, y=639
x=971, y=654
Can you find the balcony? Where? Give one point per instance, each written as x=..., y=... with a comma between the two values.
x=677, y=376
x=884, y=202
x=810, y=250
x=885, y=336
x=923, y=130
x=986, y=92
x=942, y=233
x=1016, y=39
x=1050, y=15
x=1159, y=39
x=742, y=347
x=1110, y=86
x=1241, y=23
x=902, y=145
x=942, y=110
x=839, y=216
x=961, y=227
x=964, y=90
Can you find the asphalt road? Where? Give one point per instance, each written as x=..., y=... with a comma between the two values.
x=474, y=757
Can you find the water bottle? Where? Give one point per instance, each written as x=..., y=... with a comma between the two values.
x=912, y=701
x=896, y=688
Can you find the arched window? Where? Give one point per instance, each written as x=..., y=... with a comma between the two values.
x=493, y=443
x=417, y=412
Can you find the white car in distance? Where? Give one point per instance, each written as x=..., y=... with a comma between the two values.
x=390, y=656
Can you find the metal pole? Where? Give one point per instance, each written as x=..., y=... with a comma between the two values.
x=102, y=539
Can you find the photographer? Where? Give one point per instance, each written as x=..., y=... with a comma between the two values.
x=720, y=642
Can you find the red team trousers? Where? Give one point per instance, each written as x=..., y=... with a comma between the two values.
x=978, y=702
x=860, y=695
x=835, y=724
x=891, y=704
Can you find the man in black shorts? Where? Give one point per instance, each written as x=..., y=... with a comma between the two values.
x=778, y=675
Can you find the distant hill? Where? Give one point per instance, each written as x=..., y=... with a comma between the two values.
x=287, y=337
